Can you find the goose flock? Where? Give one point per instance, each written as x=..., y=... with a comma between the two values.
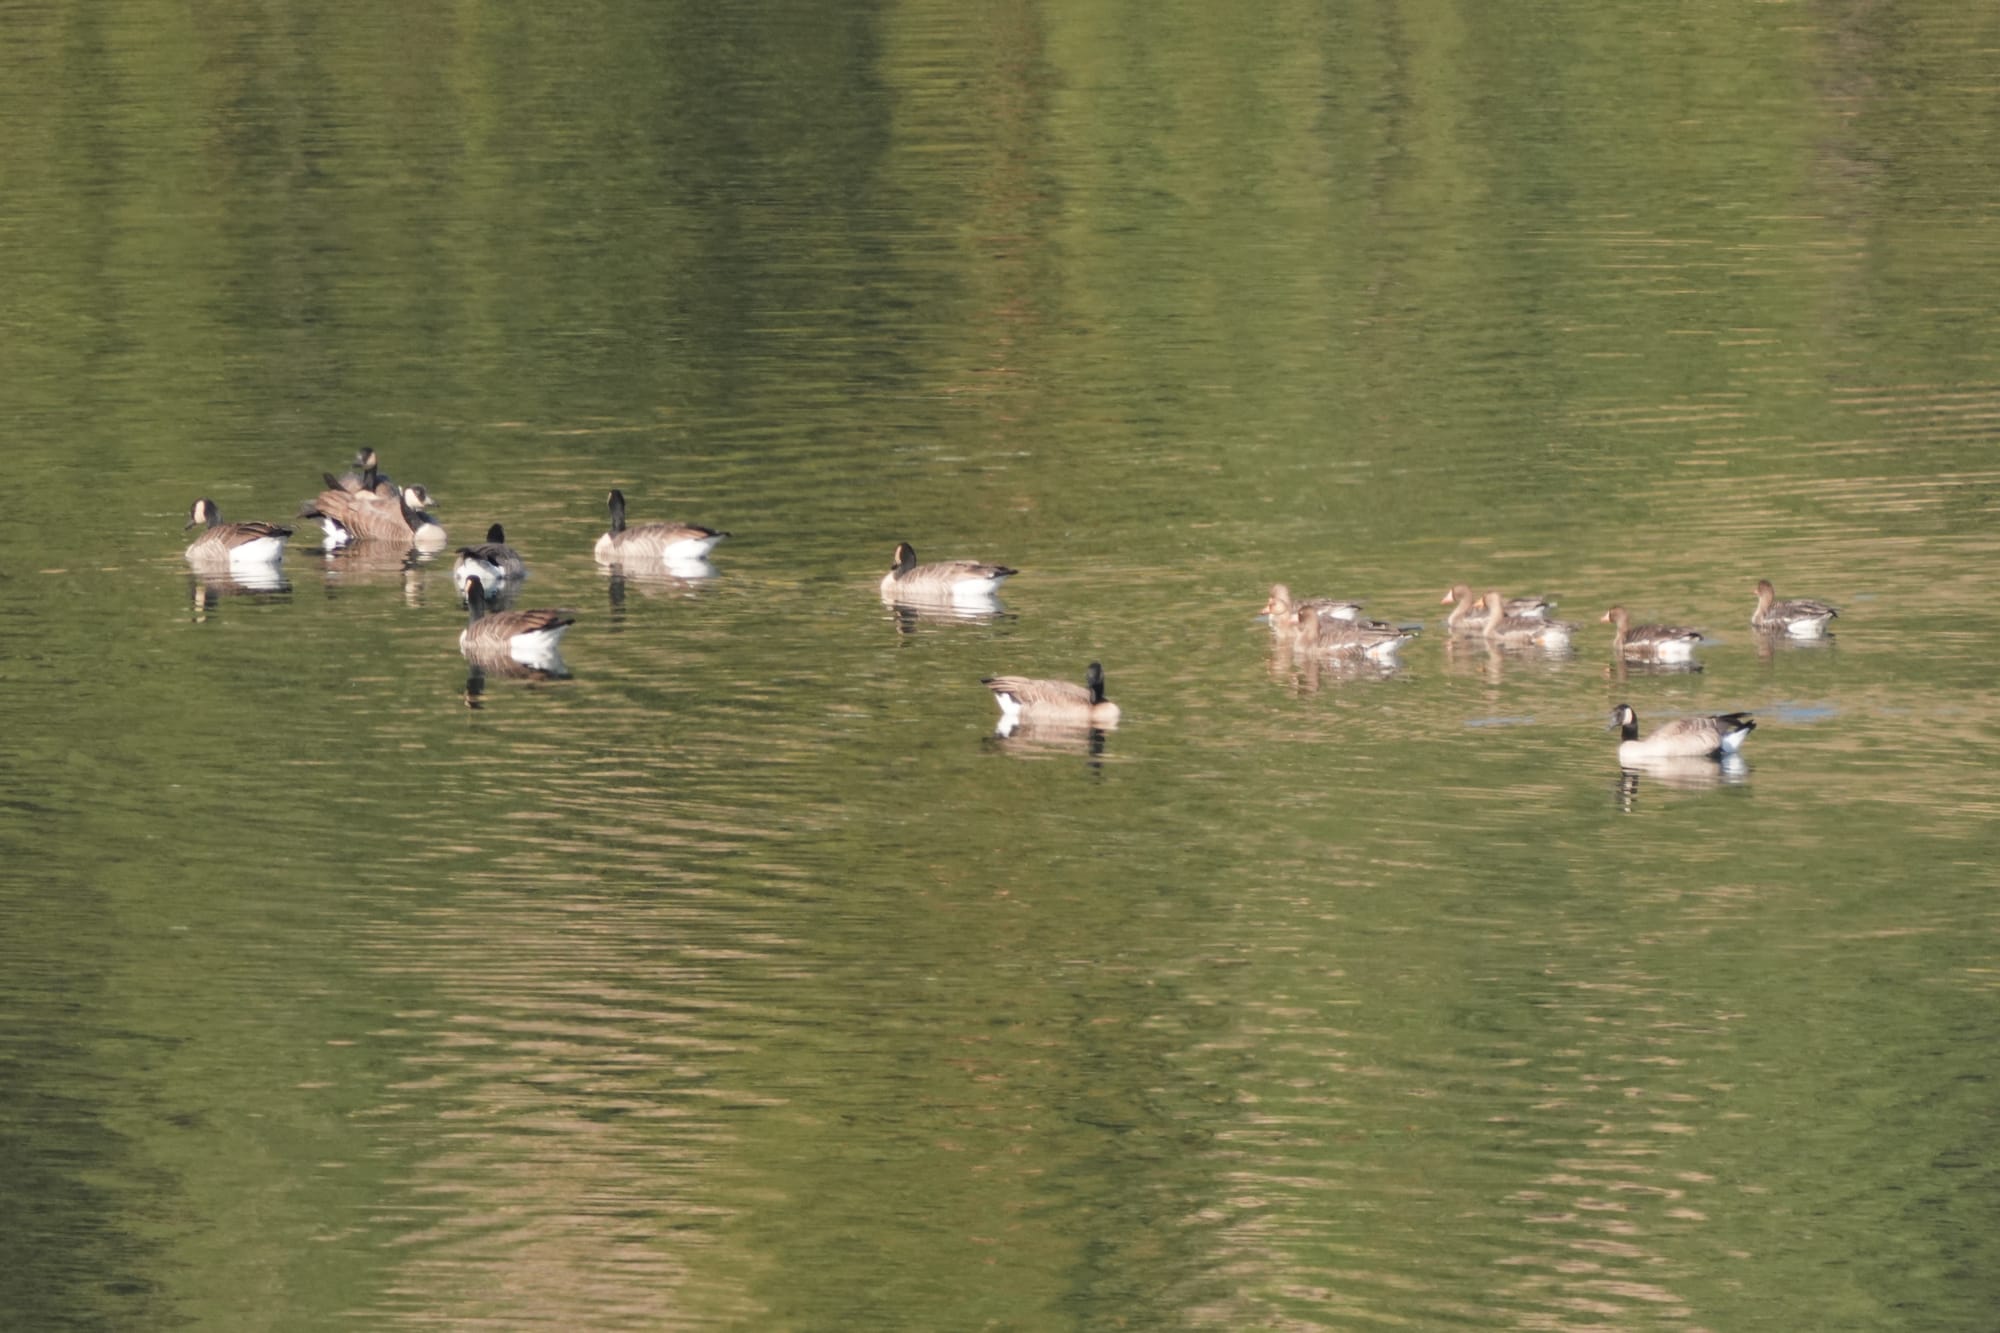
x=363, y=505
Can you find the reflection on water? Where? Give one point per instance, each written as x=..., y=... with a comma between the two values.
x=741, y=980
x=1684, y=773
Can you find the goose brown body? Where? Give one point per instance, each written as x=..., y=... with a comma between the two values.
x=251, y=542
x=1281, y=606
x=530, y=637
x=1802, y=617
x=942, y=580
x=374, y=516
x=1706, y=736
x=1501, y=627
x=1468, y=616
x=1665, y=643
x=1055, y=702
x=653, y=543
x=1312, y=633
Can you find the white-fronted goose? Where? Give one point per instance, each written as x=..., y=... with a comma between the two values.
x=1802, y=617
x=1315, y=634
x=1280, y=608
x=1710, y=736
x=653, y=543
x=529, y=637
x=1056, y=702
x=1501, y=627
x=941, y=581
x=493, y=563
x=1658, y=643
x=1464, y=618
x=372, y=516
x=243, y=545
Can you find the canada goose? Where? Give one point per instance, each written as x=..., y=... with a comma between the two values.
x=1461, y=619
x=494, y=563
x=1660, y=643
x=1501, y=627
x=1056, y=702
x=370, y=515
x=664, y=543
x=364, y=474
x=237, y=544
x=1683, y=738
x=1280, y=607
x=529, y=637
x=1803, y=617
x=1312, y=634
x=941, y=581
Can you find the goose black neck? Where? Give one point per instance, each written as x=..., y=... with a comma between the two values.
x=1628, y=725
x=475, y=600
x=1094, y=678
x=496, y=536
x=617, y=511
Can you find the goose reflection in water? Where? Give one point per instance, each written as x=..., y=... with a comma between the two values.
x=206, y=589
x=361, y=563
x=621, y=581
x=1305, y=673
x=1683, y=773
x=481, y=669
x=1029, y=739
x=910, y=616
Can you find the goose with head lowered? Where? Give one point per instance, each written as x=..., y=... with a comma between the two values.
x=1708, y=736
x=532, y=638
x=1054, y=702
x=942, y=580
x=1657, y=643
x=493, y=562
x=1802, y=617
x=251, y=545
x=682, y=544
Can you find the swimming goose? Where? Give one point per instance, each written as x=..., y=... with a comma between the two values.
x=1057, y=702
x=1501, y=627
x=1312, y=634
x=531, y=638
x=1461, y=619
x=237, y=544
x=1804, y=617
x=942, y=581
x=370, y=515
x=1280, y=608
x=1710, y=736
x=664, y=543
x=494, y=563
x=1660, y=643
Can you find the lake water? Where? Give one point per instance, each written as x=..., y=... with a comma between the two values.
x=746, y=978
